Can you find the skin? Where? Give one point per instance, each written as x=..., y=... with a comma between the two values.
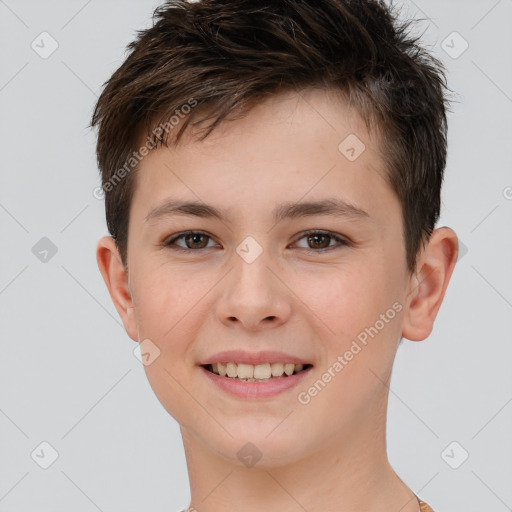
x=330, y=453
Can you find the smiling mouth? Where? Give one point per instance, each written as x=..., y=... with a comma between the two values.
x=256, y=373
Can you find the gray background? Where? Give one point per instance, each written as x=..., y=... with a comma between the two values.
x=68, y=375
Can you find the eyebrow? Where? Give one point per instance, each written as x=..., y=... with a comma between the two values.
x=334, y=207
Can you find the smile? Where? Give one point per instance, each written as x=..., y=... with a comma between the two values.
x=256, y=373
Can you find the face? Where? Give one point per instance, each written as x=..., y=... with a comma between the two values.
x=293, y=254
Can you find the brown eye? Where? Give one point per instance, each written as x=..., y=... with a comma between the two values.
x=319, y=241
x=192, y=240
x=195, y=241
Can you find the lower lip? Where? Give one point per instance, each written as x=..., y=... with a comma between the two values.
x=255, y=390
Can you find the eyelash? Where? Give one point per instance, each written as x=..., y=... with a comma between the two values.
x=341, y=241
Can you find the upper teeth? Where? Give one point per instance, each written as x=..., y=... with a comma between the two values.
x=258, y=371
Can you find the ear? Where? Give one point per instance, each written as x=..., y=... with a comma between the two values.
x=428, y=285
x=116, y=278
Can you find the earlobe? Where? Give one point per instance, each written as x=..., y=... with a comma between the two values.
x=428, y=285
x=116, y=278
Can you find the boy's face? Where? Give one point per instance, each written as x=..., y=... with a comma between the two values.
x=218, y=293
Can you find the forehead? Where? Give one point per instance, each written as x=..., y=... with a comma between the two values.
x=289, y=146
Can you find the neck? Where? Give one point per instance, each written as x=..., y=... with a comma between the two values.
x=348, y=472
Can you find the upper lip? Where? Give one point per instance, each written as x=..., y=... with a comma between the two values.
x=241, y=356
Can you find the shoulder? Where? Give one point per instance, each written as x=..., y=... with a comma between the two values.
x=424, y=507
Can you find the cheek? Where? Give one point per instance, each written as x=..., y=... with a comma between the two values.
x=167, y=312
x=167, y=383
x=162, y=294
x=357, y=314
x=360, y=355
x=345, y=299
x=170, y=303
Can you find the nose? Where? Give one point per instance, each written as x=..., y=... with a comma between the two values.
x=253, y=296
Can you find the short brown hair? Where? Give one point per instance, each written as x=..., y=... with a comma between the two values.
x=226, y=54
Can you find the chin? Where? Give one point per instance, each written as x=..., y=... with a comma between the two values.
x=262, y=445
